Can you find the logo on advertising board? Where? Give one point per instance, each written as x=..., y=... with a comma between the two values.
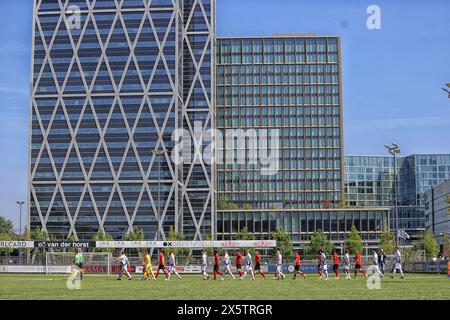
x=16, y=244
x=247, y=243
x=64, y=244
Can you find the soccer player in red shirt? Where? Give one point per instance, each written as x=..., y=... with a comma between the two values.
x=297, y=265
x=239, y=257
x=358, y=264
x=216, y=265
x=335, y=263
x=161, y=265
x=258, y=265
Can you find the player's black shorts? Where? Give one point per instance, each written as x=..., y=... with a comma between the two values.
x=79, y=265
x=238, y=266
x=161, y=266
x=297, y=268
x=257, y=266
x=216, y=267
x=335, y=267
x=357, y=266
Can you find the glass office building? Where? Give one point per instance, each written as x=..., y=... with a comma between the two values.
x=437, y=212
x=291, y=84
x=369, y=182
x=111, y=81
x=418, y=173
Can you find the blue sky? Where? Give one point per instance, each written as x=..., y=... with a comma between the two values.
x=391, y=77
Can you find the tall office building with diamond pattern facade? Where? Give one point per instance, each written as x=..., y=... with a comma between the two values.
x=111, y=81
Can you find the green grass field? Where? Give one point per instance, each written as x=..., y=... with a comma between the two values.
x=53, y=287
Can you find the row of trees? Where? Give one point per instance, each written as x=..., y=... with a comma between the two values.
x=6, y=233
x=353, y=243
x=224, y=204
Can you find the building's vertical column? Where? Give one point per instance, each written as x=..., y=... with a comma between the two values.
x=341, y=122
x=198, y=117
x=178, y=169
x=213, y=121
x=30, y=118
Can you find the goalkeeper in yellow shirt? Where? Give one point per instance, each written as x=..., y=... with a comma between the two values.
x=148, y=268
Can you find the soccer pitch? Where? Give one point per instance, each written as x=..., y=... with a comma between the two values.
x=97, y=287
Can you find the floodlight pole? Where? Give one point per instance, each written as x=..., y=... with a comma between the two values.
x=20, y=203
x=159, y=152
x=394, y=149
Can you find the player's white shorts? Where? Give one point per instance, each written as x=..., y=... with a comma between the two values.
x=204, y=267
x=346, y=267
x=124, y=267
x=398, y=266
x=375, y=268
x=248, y=267
x=324, y=267
x=279, y=267
x=171, y=268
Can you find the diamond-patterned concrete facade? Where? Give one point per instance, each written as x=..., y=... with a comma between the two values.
x=112, y=80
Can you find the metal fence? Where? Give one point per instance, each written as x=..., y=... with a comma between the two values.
x=136, y=260
x=426, y=267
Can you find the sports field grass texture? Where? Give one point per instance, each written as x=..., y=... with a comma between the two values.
x=95, y=287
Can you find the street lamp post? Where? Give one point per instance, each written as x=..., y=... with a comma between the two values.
x=159, y=152
x=20, y=203
x=394, y=149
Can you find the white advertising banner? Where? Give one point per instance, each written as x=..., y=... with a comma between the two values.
x=188, y=244
x=180, y=269
x=139, y=244
x=35, y=269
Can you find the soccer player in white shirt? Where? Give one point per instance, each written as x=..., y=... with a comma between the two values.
x=323, y=265
x=204, y=265
x=398, y=263
x=347, y=265
x=375, y=263
x=123, y=265
x=248, y=265
x=172, y=268
x=226, y=266
x=279, y=271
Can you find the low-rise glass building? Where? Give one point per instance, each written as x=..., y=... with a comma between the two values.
x=369, y=182
x=437, y=213
x=302, y=224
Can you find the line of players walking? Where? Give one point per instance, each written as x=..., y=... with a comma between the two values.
x=252, y=267
x=378, y=264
